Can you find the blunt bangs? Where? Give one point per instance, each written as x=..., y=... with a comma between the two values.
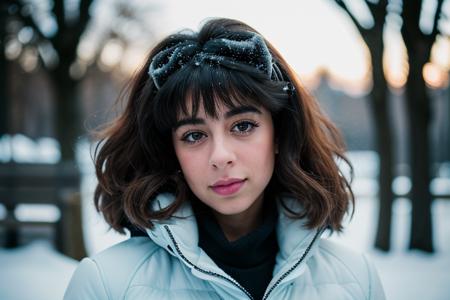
x=209, y=86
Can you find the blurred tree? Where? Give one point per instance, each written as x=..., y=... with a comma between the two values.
x=418, y=44
x=52, y=32
x=49, y=35
x=56, y=47
x=373, y=37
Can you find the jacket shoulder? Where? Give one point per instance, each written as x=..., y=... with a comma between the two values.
x=362, y=269
x=107, y=274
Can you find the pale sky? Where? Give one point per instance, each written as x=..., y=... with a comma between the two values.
x=313, y=36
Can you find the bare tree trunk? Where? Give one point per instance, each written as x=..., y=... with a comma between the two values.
x=419, y=117
x=373, y=37
x=67, y=109
x=383, y=134
x=65, y=42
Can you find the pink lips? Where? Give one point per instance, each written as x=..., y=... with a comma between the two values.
x=227, y=187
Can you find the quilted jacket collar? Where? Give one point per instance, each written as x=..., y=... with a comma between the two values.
x=293, y=237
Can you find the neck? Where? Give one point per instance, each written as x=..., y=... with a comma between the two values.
x=239, y=225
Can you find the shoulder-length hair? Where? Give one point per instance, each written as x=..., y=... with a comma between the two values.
x=136, y=160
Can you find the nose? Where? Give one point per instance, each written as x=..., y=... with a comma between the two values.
x=222, y=154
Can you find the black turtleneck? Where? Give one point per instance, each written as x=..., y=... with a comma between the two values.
x=250, y=259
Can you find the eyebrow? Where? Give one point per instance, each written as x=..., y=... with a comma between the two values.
x=233, y=112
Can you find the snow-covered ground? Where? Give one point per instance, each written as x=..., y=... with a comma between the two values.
x=36, y=271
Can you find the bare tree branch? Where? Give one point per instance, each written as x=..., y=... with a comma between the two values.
x=69, y=33
x=83, y=17
x=342, y=4
x=60, y=14
x=411, y=17
x=74, y=32
x=378, y=11
x=28, y=20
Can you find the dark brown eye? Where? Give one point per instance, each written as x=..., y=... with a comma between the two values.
x=243, y=127
x=193, y=137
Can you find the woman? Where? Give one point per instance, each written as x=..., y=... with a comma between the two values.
x=224, y=171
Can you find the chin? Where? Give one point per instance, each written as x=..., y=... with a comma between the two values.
x=230, y=209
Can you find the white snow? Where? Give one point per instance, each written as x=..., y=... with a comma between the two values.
x=36, y=271
x=19, y=148
x=33, y=212
x=414, y=275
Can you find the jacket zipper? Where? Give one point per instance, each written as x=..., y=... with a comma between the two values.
x=200, y=269
x=285, y=274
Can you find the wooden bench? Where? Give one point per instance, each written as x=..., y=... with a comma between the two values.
x=55, y=184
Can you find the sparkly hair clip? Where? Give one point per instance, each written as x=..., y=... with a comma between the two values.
x=245, y=49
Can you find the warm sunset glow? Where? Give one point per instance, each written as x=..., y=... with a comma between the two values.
x=29, y=59
x=111, y=54
x=395, y=62
x=86, y=51
x=132, y=58
x=435, y=76
x=396, y=75
x=311, y=45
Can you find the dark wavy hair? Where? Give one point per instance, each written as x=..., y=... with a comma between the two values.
x=135, y=159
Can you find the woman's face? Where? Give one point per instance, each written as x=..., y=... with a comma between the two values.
x=227, y=162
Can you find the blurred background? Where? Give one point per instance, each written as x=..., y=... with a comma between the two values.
x=380, y=70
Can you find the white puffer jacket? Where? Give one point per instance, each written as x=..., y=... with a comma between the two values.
x=170, y=265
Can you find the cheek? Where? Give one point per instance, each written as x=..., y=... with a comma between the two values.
x=260, y=155
x=191, y=165
x=266, y=157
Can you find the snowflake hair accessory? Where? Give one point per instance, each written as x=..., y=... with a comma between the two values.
x=239, y=51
